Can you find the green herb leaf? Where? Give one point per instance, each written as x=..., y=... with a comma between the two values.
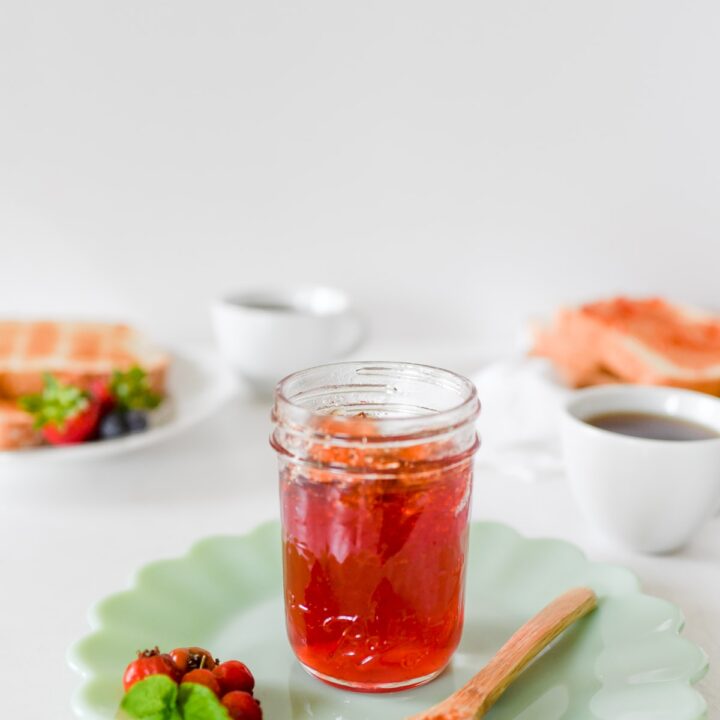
x=154, y=698
x=132, y=391
x=197, y=702
x=56, y=404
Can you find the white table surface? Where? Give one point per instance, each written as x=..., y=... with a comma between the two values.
x=70, y=535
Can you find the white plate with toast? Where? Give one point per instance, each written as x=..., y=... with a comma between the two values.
x=196, y=384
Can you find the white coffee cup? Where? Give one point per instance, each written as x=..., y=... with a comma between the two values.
x=266, y=334
x=648, y=495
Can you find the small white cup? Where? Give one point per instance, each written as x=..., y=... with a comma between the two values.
x=648, y=495
x=266, y=334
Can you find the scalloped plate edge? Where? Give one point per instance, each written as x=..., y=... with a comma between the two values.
x=74, y=654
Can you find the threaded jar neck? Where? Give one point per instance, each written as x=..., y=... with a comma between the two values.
x=375, y=416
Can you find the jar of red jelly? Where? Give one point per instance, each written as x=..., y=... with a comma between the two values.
x=376, y=464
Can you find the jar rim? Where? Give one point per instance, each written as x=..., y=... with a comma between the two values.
x=425, y=421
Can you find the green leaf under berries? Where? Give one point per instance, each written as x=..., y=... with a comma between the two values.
x=154, y=698
x=197, y=702
x=158, y=698
x=56, y=404
x=131, y=390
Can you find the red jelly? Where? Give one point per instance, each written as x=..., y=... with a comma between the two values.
x=375, y=475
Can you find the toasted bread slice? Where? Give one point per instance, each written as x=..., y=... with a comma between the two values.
x=645, y=341
x=78, y=353
x=16, y=427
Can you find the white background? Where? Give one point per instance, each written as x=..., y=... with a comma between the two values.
x=456, y=166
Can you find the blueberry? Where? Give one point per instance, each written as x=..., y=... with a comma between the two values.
x=113, y=425
x=136, y=421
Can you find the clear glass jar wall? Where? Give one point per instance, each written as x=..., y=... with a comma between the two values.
x=375, y=464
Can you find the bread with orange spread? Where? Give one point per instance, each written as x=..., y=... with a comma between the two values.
x=79, y=353
x=644, y=341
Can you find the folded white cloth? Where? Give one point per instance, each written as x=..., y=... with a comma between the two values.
x=519, y=419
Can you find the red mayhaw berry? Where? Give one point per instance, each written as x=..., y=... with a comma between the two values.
x=176, y=674
x=234, y=675
x=242, y=706
x=181, y=658
x=192, y=658
x=148, y=662
x=201, y=658
x=203, y=677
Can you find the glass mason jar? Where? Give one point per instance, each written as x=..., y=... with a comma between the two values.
x=375, y=463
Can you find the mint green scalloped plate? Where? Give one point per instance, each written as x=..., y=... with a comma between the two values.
x=626, y=661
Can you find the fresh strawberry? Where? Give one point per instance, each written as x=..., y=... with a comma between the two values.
x=131, y=390
x=77, y=428
x=100, y=390
x=66, y=414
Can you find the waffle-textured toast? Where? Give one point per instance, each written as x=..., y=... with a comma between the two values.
x=648, y=341
x=75, y=352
